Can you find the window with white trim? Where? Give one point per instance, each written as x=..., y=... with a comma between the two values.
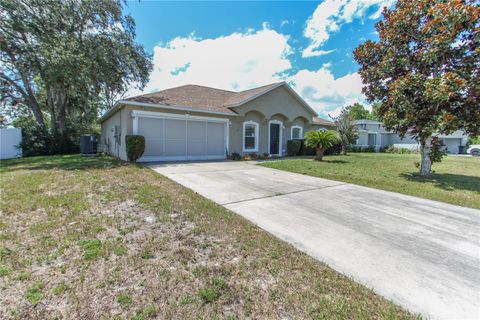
x=296, y=132
x=250, y=136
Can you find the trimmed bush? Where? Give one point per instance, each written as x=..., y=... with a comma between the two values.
x=235, y=156
x=335, y=149
x=392, y=149
x=293, y=147
x=135, y=145
x=361, y=149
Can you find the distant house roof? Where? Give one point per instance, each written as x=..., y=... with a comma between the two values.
x=203, y=99
x=323, y=122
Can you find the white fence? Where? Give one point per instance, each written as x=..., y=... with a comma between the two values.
x=10, y=139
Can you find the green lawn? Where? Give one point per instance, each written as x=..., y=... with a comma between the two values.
x=455, y=180
x=95, y=238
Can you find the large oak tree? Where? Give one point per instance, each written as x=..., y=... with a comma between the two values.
x=59, y=56
x=424, y=70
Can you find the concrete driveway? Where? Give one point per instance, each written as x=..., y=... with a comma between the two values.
x=422, y=254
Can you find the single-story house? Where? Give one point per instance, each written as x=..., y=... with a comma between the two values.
x=372, y=134
x=194, y=122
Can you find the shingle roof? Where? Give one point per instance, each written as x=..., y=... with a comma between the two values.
x=242, y=96
x=320, y=121
x=200, y=97
x=192, y=96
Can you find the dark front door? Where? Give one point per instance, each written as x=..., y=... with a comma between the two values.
x=274, y=138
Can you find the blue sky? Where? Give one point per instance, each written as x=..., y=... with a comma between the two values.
x=239, y=45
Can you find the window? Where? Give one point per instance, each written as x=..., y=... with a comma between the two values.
x=372, y=139
x=297, y=132
x=250, y=136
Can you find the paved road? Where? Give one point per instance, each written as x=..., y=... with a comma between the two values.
x=422, y=254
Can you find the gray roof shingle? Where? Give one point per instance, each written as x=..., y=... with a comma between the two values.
x=203, y=98
x=320, y=121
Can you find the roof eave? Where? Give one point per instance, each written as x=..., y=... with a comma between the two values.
x=163, y=106
x=117, y=106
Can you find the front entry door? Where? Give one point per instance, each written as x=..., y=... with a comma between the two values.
x=274, y=138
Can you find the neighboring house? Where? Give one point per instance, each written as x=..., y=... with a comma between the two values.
x=373, y=134
x=193, y=122
x=10, y=140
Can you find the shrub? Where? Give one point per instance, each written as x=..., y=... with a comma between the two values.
x=293, y=147
x=235, y=156
x=392, y=149
x=266, y=155
x=42, y=141
x=253, y=156
x=135, y=145
x=335, y=149
x=473, y=140
x=361, y=149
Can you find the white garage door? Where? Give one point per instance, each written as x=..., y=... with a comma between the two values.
x=176, y=137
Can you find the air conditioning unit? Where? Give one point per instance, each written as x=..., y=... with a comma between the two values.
x=88, y=144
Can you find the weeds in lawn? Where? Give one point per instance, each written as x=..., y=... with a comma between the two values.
x=91, y=248
x=141, y=246
x=208, y=295
x=34, y=294
x=124, y=301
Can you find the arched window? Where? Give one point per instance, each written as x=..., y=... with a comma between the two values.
x=250, y=136
x=296, y=132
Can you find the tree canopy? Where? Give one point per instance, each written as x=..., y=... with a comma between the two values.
x=357, y=111
x=59, y=59
x=424, y=70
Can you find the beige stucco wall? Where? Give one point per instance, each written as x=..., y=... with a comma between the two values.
x=108, y=143
x=278, y=104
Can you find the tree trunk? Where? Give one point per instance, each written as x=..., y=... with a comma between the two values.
x=344, y=150
x=319, y=154
x=425, y=164
x=57, y=98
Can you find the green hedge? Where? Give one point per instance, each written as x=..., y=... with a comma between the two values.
x=135, y=147
x=293, y=147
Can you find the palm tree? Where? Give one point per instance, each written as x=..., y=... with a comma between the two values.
x=320, y=140
x=347, y=131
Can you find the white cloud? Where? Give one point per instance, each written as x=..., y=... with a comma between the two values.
x=326, y=94
x=234, y=62
x=241, y=61
x=330, y=15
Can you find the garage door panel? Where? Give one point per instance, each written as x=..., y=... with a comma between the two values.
x=196, y=148
x=196, y=130
x=175, y=129
x=175, y=148
x=152, y=130
x=215, y=138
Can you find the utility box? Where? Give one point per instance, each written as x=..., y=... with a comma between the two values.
x=88, y=144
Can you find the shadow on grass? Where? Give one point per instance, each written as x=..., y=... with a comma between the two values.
x=332, y=161
x=447, y=181
x=62, y=162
